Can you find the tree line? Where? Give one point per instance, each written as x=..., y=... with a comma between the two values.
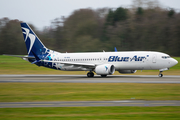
x=87, y=30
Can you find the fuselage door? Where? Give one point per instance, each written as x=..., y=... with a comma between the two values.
x=154, y=59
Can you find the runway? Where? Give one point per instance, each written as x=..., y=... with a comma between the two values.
x=88, y=103
x=84, y=79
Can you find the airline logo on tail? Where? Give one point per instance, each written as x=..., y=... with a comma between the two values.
x=31, y=37
x=33, y=43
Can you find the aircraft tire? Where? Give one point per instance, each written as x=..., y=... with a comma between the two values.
x=90, y=74
x=103, y=75
x=160, y=75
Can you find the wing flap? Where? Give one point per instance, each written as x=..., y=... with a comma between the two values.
x=84, y=65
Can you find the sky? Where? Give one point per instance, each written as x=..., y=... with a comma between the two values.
x=41, y=13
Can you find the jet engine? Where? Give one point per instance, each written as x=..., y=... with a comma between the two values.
x=105, y=69
x=126, y=71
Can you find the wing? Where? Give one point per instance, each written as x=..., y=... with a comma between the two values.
x=83, y=65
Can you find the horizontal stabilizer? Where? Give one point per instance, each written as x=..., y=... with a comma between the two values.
x=36, y=61
x=20, y=56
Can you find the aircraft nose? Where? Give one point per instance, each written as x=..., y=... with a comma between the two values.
x=174, y=62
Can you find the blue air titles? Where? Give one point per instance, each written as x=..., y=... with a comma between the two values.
x=125, y=59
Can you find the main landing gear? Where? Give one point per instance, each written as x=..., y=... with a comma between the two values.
x=103, y=75
x=160, y=74
x=90, y=74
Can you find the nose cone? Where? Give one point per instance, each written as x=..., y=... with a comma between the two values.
x=173, y=62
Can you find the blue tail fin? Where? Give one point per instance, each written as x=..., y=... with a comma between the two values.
x=33, y=44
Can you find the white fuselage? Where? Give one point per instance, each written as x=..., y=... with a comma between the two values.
x=135, y=60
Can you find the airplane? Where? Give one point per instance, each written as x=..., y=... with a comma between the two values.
x=102, y=63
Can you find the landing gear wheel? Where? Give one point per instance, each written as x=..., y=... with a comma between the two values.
x=103, y=75
x=90, y=74
x=160, y=74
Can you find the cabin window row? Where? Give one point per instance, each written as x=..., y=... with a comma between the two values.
x=92, y=59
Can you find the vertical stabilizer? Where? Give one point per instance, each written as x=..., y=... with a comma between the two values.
x=33, y=43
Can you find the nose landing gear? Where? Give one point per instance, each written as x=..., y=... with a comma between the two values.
x=161, y=70
x=160, y=74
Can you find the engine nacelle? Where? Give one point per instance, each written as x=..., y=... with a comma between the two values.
x=105, y=69
x=127, y=71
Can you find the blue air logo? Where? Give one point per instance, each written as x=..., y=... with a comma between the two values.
x=126, y=59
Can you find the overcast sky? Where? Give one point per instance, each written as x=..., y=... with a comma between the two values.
x=41, y=12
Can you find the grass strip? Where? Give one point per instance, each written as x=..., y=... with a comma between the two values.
x=91, y=113
x=19, y=92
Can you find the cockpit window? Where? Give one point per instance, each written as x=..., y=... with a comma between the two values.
x=165, y=57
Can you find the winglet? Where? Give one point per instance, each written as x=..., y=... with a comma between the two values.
x=115, y=49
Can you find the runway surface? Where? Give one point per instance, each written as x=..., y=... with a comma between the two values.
x=88, y=103
x=84, y=79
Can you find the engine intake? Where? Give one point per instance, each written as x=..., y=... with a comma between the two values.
x=105, y=69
